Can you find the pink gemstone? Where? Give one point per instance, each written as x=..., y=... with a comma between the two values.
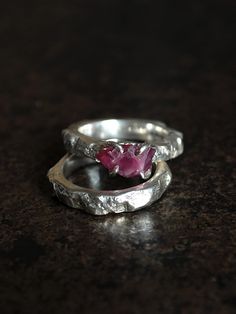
x=131, y=162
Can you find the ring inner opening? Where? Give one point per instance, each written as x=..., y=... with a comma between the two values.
x=88, y=174
x=124, y=130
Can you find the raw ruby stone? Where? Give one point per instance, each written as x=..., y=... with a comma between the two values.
x=131, y=162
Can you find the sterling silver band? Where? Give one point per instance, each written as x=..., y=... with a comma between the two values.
x=89, y=137
x=99, y=202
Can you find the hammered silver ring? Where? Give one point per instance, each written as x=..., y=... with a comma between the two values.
x=127, y=147
x=98, y=202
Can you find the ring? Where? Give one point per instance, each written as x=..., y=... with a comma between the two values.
x=102, y=202
x=127, y=147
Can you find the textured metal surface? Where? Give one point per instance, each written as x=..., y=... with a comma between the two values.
x=104, y=202
x=88, y=137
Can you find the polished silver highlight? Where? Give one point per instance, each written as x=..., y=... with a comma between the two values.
x=89, y=137
x=98, y=202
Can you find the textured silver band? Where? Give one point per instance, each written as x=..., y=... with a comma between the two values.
x=99, y=202
x=89, y=137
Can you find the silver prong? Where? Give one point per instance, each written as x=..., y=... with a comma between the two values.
x=143, y=148
x=116, y=145
x=114, y=171
x=146, y=175
x=119, y=146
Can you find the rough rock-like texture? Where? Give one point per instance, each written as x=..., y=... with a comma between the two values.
x=62, y=61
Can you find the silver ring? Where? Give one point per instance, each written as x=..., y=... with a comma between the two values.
x=98, y=202
x=124, y=146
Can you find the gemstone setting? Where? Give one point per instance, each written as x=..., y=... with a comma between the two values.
x=127, y=160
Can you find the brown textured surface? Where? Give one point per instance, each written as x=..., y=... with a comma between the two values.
x=62, y=61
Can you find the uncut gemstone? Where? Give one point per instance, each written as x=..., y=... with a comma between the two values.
x=131, y=162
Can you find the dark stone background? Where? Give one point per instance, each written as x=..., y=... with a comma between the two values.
x=62, y=61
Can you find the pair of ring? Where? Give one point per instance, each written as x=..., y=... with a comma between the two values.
x=125, y=147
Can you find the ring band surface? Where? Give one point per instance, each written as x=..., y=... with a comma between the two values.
x=89, y=137
x=98, y=202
